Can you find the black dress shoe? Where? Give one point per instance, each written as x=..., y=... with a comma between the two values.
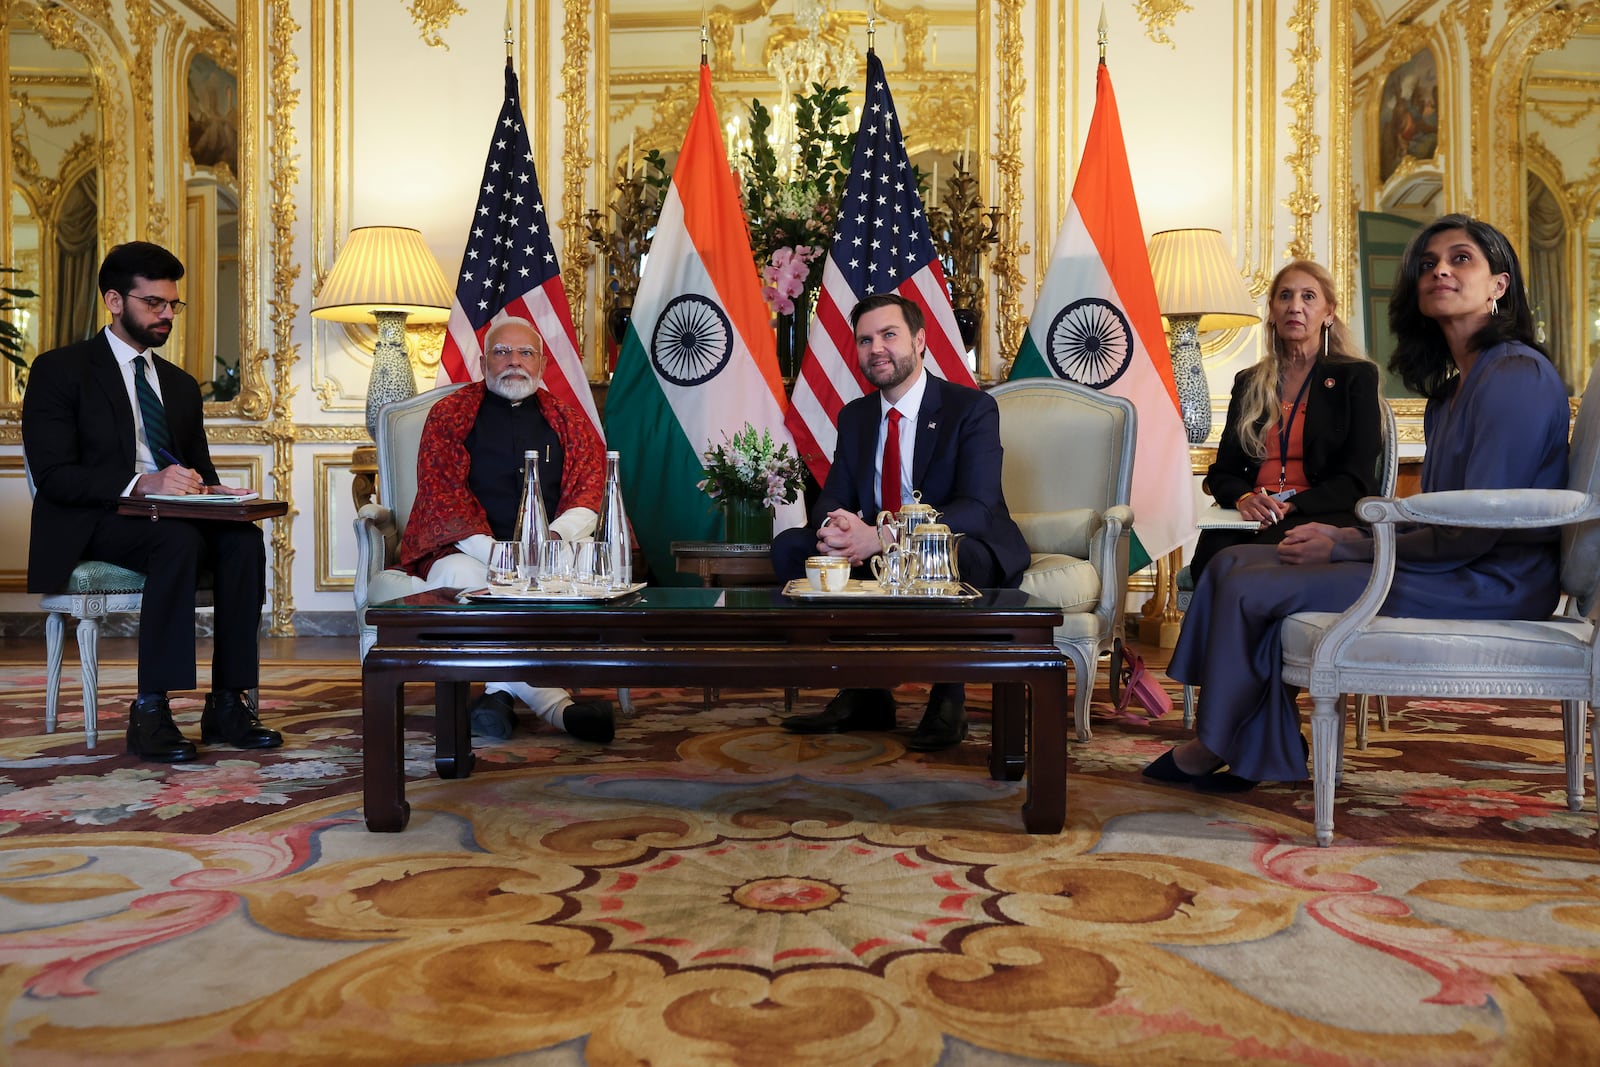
x=152, y=734
x=852, y=709
x=230, y=718
x=943, y=725
x=491, y=716
x=1224, y=782
x=590, y=721
x=1164, y=768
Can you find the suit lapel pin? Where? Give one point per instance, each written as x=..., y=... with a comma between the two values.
x=1327, y=383
x=933, y=425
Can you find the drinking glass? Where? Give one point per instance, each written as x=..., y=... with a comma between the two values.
x=591, y=567
x=528, y=565
x=555, y=566
x=504, y=556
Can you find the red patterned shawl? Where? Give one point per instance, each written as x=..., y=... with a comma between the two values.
x=446, y=511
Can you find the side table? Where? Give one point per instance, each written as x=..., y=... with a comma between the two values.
x=718, y=563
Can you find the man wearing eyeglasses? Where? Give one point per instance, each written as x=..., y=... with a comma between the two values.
x=469, y=492
x=108, y=417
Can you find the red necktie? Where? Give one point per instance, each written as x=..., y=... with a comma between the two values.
x=889, y=491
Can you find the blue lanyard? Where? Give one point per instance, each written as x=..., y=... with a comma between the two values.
x=1287, y=425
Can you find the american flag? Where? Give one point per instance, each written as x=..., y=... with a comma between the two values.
x=883, y=245
x=510, y=268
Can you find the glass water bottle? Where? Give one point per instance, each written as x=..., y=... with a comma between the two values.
x=613, y=528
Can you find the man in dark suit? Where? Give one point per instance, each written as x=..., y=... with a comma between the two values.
x=106, y=418
x=943, y=441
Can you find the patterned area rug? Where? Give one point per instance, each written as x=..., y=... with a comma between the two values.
x=710, y=890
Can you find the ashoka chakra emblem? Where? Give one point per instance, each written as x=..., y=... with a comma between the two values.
x=1090, y=342
x=693, y=340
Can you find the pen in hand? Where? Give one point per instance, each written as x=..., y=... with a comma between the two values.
x=176, y=462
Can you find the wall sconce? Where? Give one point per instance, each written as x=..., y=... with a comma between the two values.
x=385, y=274
x=1199, y=288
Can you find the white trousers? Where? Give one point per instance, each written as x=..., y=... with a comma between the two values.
x=461, y=570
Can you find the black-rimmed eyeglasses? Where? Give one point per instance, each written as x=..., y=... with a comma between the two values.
x=157, y=304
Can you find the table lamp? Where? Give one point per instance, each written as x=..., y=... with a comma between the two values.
x=385, y=274
x=1199, y=288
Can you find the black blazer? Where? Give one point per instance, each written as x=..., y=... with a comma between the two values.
x=1343, y=440
x=78, y=436
x=955, y=466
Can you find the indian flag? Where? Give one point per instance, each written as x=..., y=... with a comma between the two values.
x=1097, y=323
x=700, y=359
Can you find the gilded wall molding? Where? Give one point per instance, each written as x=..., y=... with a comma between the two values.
x=253, y=401
x=1261, y=193
x=283, y=173
x=1303, y=203
x=89, y=32
x=432, y=18
x=1158, y=15
x=575, y=158
x=1009, y=281
x=324, y=468
x=1533, y=28
x=142, y=36
x=1341, y=122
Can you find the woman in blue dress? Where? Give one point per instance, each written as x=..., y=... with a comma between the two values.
x=1496, y=418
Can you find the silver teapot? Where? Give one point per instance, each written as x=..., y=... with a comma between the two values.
x=931, y=560
x=904, y=524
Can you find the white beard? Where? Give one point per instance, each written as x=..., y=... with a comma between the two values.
x=513, y=385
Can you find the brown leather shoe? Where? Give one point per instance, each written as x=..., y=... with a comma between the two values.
x=852, y=709
x=152, y=735
x=230, y=718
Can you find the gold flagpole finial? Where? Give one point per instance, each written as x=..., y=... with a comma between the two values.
x=1102, y=34
x=705, y=43
x=509, y=38
x=872, y=23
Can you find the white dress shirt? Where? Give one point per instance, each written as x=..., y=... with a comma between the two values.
x=144, y=461
x=909, y=406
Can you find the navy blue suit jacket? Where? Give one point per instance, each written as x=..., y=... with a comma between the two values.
x=955, y=468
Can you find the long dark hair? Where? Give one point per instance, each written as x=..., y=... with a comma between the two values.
x=1421, y=356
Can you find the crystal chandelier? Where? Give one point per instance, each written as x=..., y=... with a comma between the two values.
x=799, y=64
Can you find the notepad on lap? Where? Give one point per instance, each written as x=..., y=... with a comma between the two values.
x=204, y=498
x=1219, y=518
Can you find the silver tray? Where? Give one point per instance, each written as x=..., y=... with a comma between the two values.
x=534, y=596
x=860, y=590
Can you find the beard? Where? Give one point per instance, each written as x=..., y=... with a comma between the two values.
x=149, y=336
x=512, y=384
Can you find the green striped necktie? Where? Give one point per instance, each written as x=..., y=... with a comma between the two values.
x=156, y=433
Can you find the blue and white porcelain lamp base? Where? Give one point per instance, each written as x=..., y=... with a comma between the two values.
x=392, y=378
x=1189, y=374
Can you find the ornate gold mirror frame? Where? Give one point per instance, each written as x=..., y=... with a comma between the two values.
x=944, y=108
x=137, y=75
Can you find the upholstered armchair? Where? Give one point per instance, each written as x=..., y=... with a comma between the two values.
x=1067, y=477
x=378, y=526
x=1552, y=659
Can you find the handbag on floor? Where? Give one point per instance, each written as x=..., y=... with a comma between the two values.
x=1139, y=686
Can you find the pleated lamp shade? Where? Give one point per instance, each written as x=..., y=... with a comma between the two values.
x=1195, y=275
x=384, y=268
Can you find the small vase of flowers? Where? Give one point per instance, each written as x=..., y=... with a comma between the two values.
x=747, y=475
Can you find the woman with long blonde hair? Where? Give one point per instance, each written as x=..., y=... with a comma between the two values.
x=1302, y=437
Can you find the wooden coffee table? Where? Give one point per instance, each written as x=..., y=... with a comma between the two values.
x=734, y=637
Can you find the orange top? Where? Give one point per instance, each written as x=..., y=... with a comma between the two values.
x=1293, y=467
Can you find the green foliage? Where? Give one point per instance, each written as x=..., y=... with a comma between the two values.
x=798, y=209
x=12, y=341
